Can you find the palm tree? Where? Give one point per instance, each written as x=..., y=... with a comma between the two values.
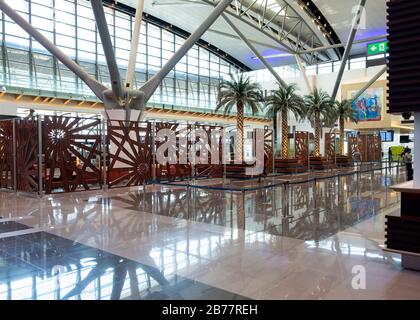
x=239, y=91
x=344, y=111
x=283, y=100
x=318, y=107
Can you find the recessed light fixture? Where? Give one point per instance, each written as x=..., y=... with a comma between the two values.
x=276, y=55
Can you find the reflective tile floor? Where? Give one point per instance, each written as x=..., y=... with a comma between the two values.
x=299, y=241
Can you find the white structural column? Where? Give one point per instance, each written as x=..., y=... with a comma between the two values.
x=303, y=72
x=134, y=45
x=255, y=51
x=349, y=44
x=416, y=163
x=97, y=87
x=152, y=84
x=370, y=82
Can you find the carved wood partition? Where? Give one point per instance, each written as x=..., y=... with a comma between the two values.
x=373, y=147
x=330, y=146
x=213, y=134
x=268, y=149
x=72, y=154
x=353, y=145
x=6, y=154
x=130, y=153
x=173, y=169
x=27, y=155
x=301, y=146
x=369, y=146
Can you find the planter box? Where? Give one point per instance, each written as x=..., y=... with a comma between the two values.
x=292, y=165
x=320, y=163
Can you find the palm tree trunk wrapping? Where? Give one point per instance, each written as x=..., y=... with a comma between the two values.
x=317, y=135
x=284, y=135
x=275, y=134
x=240, y=130
x=342, y=136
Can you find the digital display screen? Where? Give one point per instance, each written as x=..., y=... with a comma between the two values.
x=387, y=136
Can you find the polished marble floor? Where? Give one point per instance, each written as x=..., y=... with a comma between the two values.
x=297, y=240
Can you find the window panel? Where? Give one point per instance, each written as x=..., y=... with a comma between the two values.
x=197, y=88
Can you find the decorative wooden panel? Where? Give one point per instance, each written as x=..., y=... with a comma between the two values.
x=301, y=146
x=404, y=59
x=374, y=148
x=361, y=145
x=211, y=170
x=174, y=171
x=369, y=147
x=72, y=153
x=268, y=150
x=330, y=146
x=6, y=154
x=130, y=154
x=353, y=145
x=27, y=155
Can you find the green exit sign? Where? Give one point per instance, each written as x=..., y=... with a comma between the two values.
x=377, y=48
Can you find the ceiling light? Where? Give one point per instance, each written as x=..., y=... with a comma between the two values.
x=276, y=55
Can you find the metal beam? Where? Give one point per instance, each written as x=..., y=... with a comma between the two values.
x=114, y=73
x=350, y=40
x=340, y=45
x=255, y=51
x=303, y=72
x=97, y=87
x=134, y=44
x=150, y=86
x=253, y=41
x=369, y=83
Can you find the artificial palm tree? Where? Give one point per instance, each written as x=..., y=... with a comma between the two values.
x=318, y=107
x=239, y=92
x=283, y=100
x=344, y=111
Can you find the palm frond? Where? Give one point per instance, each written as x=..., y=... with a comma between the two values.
x=239, y=88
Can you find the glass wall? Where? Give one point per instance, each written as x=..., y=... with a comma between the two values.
x=292, y=71
x=70, y=25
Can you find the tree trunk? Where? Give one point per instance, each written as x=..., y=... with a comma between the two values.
x=239, y=131
x=341, y=136
x=275, y=133
x=284, y=135
x=317, y=135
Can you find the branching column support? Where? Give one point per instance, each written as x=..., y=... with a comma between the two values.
x=150, y=86
x=255, y=51
x=350, y=41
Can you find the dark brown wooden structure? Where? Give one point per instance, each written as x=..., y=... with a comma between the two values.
x=6, y=154
x=130, y=157
x=72, y=153
x=404, y=58
x=27, y=150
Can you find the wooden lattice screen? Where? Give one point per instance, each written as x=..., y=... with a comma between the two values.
x=6, y=154
x=330, y=146
x=210, y=169
x=27, y=155
x=173, y=169
x=72, y=154
x=130, y=153
x=301, y=146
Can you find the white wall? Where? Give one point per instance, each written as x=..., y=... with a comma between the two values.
x=7, y=109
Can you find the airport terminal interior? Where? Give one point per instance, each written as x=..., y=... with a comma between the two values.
x=209, y=150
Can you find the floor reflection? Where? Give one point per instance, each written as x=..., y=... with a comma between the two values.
x=307, y=211
x=44, y=266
